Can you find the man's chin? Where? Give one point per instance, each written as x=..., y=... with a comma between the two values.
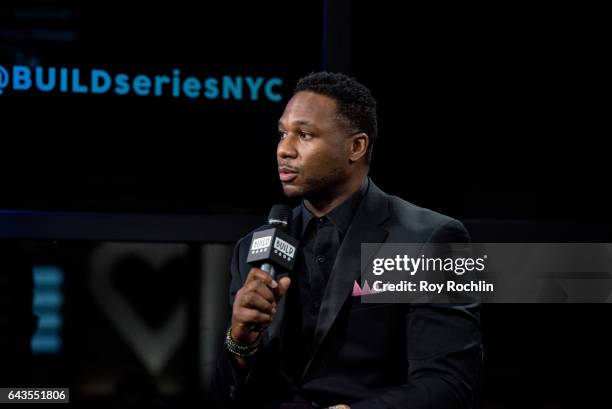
x=292, y=191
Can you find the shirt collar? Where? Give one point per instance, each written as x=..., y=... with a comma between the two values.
x=342, y=215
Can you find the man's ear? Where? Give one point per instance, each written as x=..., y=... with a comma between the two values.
x=359, y=146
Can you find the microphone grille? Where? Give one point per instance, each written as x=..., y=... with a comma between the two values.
x=280, y=214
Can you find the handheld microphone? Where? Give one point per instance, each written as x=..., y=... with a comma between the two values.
x=273, y=249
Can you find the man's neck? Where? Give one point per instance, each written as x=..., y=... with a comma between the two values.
x=321, y=206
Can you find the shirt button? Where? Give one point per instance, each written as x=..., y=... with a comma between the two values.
x=316, y=304
x=320, y=259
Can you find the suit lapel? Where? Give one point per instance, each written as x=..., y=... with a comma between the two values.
x=365, y=228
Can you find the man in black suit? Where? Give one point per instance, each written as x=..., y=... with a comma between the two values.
x=321, y=346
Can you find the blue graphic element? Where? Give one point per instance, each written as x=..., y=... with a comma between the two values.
x=175, y=83
x=50, y=322
x=46, y=344
x=48, y=276
x=141, y=85
x=212, y=88
x=45, y=299
x=47, y=303
x=77, y=87
x=39, y=79
x=98, y=87
x=98, y=81
x=4, y=78
x=272, y=96
x=22, y=78
x=191, y=87
x=254, y=86
x=122, y=88
x=233, y=86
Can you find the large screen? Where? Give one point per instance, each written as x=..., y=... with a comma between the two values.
x=164, y=107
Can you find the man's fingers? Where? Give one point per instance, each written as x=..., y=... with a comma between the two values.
x=260, y=288
x=260, y=275
x=255, y=300
x=283, y=286
x=278, y=289
x=249, y=316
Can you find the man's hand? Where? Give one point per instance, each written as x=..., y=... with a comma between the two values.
x=255, y=304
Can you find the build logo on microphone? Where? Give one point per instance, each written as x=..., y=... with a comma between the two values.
x=281, y=247
x=261, y=244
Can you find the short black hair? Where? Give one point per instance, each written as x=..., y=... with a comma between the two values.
x=354, y=101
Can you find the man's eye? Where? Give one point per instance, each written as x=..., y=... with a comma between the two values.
x=305, y=135
x=282, y=134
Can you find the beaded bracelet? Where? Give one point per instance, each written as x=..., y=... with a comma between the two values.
x=241, y=350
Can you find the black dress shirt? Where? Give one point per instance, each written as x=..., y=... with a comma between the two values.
x=319, y=244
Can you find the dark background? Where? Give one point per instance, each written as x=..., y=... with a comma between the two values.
x=493, y=115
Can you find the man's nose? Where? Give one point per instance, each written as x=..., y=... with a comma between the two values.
x=286, y=148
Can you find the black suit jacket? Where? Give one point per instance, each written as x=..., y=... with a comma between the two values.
x=367, y=355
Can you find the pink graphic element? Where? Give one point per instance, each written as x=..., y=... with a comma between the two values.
x=356, y=289
x=366, y=290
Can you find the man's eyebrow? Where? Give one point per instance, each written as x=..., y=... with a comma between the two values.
x=299, y=122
